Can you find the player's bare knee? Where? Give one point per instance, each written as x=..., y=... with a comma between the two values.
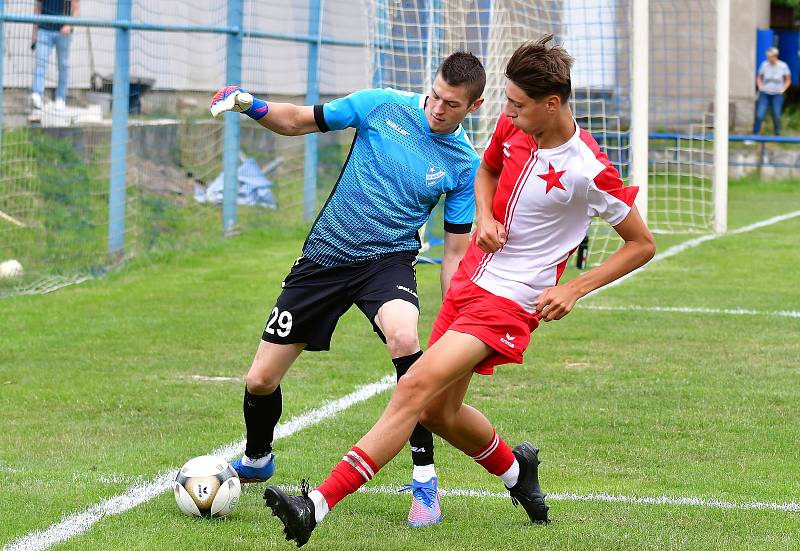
x=262, y=382
x=434, y=419
x=411, y=393
x=402, y=342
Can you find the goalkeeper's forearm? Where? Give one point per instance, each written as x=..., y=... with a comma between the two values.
x=283, y=118
x=288, y=119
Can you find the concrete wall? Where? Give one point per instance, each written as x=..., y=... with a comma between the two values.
x=683, y=64
x=682, y=48
x=682, y=61
x=183, y=61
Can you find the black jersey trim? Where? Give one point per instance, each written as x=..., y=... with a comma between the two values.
x=457, y=228
x=336, y=185
x=319, y=118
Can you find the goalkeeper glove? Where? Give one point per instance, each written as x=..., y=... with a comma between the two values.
x=233, y=98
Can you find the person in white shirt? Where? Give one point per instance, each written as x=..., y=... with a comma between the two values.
x=772, y=81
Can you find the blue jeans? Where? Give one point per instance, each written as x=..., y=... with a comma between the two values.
x=45, y=40
x=765, y=101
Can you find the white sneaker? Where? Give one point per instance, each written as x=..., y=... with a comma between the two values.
x=60, y=105
x=36, y=99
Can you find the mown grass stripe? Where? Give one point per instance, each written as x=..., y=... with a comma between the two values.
x=80, y=523
x=691, y=243
x=695, y=310
x=711, y=503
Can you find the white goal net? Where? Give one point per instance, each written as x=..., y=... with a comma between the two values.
x=410, y=38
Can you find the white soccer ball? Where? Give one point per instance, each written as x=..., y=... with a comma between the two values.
x=207, y=486
x=10, y=269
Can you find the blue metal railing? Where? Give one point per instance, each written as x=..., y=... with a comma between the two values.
x=142, y=26
x=312, y=98
x=763, y=141
x=235, y=32
x=119, y=135
x=230, y=161
x=2, y=55
x=749, y=139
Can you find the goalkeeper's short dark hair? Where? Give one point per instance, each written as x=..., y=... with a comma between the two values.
x=541, y=70
x=463, y=68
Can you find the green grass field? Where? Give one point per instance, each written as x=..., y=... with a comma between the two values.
x=104, y=388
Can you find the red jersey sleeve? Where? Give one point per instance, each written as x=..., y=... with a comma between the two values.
x=493, y=155
x=609, y=198
x=607, y=195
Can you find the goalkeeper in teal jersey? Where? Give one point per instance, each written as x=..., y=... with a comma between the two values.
x=409, y=150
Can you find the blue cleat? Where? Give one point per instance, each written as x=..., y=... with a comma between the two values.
x=425, y=507
x=254, y=474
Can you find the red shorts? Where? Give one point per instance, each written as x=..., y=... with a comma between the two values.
x=501, y=323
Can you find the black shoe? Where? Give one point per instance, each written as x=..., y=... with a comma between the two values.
x=527, y=490
x=296, y=512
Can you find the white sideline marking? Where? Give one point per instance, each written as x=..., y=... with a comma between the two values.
x=11, y=219
x=693, y=310
x=137, y=494
x=215, y=379
x=790, y=507
x=79, y=523
x=691, y=243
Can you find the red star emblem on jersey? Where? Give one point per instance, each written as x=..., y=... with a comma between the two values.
x=553, y=178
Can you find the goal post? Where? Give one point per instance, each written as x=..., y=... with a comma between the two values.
x=721, y=123
x=639, y=105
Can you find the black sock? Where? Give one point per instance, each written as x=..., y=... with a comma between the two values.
x=421, y=439
x=261, y=414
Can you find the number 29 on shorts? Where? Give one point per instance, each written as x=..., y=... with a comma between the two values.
x=284, y=323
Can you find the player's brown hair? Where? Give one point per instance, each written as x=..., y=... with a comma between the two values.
x=463, y=68
x=541, y=70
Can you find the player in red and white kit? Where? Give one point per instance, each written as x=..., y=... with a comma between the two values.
x=541, y=181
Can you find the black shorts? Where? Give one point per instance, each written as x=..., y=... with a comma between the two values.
x=314, y=297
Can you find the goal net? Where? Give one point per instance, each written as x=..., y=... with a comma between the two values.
x=55, y=168
x=410, y=38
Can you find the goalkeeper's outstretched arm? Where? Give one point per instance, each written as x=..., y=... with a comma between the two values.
x=288, y=119
x=282, y=118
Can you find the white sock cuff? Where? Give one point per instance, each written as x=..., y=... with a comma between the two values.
x=511, y=476
x=256, y=463
x=320, y=505
x=423, y=473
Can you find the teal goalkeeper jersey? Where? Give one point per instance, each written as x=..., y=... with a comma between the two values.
x=396, y=172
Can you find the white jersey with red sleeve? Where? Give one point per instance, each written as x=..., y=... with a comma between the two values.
x=546, y=199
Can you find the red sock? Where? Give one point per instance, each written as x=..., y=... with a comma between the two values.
x=496, y=457
x=353, y=471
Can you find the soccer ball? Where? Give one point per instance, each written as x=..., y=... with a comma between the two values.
x=207, y=486
x=10, y=269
